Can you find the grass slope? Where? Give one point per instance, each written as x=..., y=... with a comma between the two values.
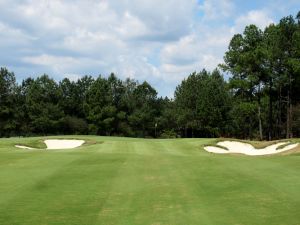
x=136, y=181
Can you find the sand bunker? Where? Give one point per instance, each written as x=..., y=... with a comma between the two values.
x=58, y=144
x=63, y=144
x=248, y=149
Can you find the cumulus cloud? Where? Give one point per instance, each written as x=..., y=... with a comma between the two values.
x=260, y=18
x=204, y=48
x=160, y=41
x=109, y=36
x=216, y=9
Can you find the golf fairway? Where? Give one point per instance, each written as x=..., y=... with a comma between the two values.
x=131, y=181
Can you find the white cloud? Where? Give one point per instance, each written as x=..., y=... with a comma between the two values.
x=205, y=47
x=8, y=32
x=260, y=18
x=216, y=9
x=62, y=64
x=97, y=32
x=202, y=49
x=160, y=41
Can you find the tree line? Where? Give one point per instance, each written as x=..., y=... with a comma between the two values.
x=261, y=99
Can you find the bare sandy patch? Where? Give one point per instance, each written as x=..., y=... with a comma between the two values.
x=248, y=149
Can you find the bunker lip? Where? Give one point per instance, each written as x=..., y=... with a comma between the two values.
x=53, y=144
x=248, y=149
x=23, y=147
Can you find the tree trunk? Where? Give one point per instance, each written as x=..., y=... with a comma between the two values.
x=288, y=118
x=270, y=111
x=259, y=116
x=289, y=110
x=280, y=114
x=250, y=129
x=291, y=120
x=259, y=121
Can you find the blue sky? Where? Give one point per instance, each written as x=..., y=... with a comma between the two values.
x=158, y=41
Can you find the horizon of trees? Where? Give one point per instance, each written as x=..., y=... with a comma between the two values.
x=261, y=100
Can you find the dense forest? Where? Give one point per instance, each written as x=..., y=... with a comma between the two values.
x=260, y=100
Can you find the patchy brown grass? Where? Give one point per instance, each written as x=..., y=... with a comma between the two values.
x=292, y=151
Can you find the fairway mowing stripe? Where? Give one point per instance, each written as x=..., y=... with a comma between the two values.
x=32, y=172
x=171, y=148
x=162, y=147
x=195, y=194
x=122, y=147
x=142, y=181
x=59, y=192
x=142, y=148
x=126, y=191
x=113, y=193
x=116, y=147
x=185, y=148
x=249, y=178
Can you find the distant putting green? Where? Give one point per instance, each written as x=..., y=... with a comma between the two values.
x=127, y=181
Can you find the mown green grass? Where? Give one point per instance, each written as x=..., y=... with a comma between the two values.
x=137, y=181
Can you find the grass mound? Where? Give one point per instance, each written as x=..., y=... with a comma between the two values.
x=32, y=143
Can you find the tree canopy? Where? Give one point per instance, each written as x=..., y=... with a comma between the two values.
x=260, y=100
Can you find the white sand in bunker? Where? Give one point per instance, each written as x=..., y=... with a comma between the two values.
x=58, y=144
x=63, y=144
x=248, y=149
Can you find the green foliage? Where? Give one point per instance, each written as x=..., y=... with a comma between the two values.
x=259, y=100
x=202, y=104
x=167, y=134
x=265, y=65
x=296, y=120
x=74, y=125
x=42, y=103
x=7, y=102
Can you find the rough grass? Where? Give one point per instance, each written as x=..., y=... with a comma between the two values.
x=131, y=181
x=31, y=142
